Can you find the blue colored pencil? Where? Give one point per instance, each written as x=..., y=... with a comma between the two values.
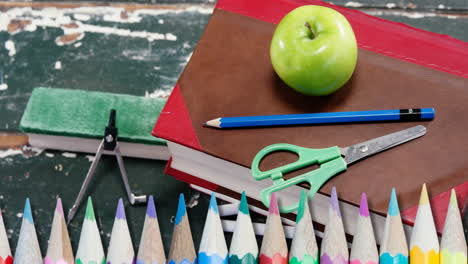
x=27, y=250
x=213, y=249
x=413, y=114
x=182, y=250
x=393, y=249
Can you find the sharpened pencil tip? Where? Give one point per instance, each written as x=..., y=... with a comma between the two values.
x=364, y=208
x=89, y=210
x=244, y=206
x=213, y=204
x=58, y=207
x=453, y=198
x=27, y=212
x=120, y=214
x=180, y=209
x=214, y=123
x=151, y=209
x=334, y=201
x=273, y=205
x=393, y=208
x=302, y=205
x=424, y=199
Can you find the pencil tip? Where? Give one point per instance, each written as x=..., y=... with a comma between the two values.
x=27, y=212
x=424, y=199
x=180, y=209
x=273, y=205
x=334, y=201
x=89, y=210
x=213, y=123
x=151, y=209
x=364, y=208
x=302, y=204
x=453, y=198
x=393, y=208
x=244, y=206
x=58, y=207
x=120, y=214
x=213, y=204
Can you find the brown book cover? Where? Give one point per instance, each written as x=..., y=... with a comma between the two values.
x=230, y=74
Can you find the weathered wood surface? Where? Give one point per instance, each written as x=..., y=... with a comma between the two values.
x=123, y=48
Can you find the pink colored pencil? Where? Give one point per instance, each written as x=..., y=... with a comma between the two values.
x=59, y=250
x=274, y=249
x=364, y=249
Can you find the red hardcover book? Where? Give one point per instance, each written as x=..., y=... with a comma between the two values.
x=230, y=74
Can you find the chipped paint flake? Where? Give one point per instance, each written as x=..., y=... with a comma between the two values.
x=58, y=65
x=408, y=14
x=171, y=37
x=69, y=155
x=3, y=86
x=10, y=46
x=10, y=152
x=353, y=4
x=71, y=21
x=158, y=94
x=390, y=5
x=82, y=17
x=69, y=39
x=122, y=17
x=193, y=9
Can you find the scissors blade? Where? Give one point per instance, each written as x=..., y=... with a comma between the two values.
x=362, y=150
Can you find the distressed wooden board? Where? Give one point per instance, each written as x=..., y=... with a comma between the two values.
x=120, y=51
x=146, y=60
x=120, y=64
x=452, y=26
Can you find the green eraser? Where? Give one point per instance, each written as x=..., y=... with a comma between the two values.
x=85, y=114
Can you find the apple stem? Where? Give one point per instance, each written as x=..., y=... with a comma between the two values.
x=311, y=30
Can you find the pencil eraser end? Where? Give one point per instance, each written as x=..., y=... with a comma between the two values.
x=427, y=113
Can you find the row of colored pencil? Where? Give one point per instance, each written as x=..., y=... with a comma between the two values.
x=90, y=249
x=424, y=246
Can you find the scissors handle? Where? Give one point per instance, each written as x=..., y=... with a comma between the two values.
x=307, y=156
x=331, y=164
x=315, y=178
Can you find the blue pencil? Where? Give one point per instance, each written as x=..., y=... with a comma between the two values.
x=213, y=249
x=413, y=114
x=182, y=250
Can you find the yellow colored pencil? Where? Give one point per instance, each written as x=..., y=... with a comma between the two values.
x=424, y=245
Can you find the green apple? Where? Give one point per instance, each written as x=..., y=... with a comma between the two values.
x=314, y=50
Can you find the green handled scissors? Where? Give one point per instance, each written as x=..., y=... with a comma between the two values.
x=332, y=161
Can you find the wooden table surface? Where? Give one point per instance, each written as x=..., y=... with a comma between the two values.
x=144, y=60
